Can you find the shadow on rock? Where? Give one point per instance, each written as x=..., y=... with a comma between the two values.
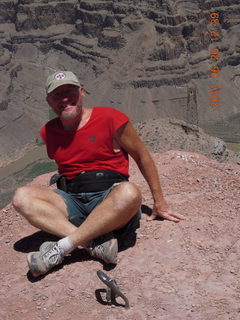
x=126, y=241
x=99, y=293
x=146, y=209
x=33, y=242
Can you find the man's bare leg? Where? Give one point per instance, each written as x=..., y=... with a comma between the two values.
x=44, y=209
x=47, y=211
x=113, y=213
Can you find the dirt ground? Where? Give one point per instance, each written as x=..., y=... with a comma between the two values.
x=173, y=271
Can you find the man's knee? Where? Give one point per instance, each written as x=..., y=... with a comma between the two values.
x=21, y=198
x=129, y=193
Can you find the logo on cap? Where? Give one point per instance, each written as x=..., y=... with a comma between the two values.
x=60, y=76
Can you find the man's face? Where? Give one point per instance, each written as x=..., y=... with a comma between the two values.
x=66, y=101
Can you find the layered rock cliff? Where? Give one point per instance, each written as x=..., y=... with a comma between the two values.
x=147, y=58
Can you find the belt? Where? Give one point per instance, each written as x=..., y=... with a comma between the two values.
x=91, y=181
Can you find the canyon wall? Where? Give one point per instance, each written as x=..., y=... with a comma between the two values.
x=150, y=59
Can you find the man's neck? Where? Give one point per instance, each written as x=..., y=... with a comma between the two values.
x=78, y=122
x=70, y=125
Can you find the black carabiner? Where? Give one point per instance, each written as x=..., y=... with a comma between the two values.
x=114, y=289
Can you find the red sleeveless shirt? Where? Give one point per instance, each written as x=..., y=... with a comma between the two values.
x=88, y=148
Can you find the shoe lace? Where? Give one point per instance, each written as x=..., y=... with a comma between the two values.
x=104, y=250
x=53, y=256
x=100, y=249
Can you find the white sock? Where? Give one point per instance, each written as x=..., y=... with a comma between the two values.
x=66, y=245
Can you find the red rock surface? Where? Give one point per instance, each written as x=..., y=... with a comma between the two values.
x=179, y=271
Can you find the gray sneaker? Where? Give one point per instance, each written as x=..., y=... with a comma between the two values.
x=104, y=248
x=48, y=256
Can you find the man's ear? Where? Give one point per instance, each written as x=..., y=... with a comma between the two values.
x=48, y=100
x=82, y=92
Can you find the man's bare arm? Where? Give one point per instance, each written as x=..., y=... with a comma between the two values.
x=129, y=140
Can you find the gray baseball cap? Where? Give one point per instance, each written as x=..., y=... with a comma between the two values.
x=60, y=78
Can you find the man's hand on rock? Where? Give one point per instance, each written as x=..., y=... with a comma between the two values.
x=161, y=210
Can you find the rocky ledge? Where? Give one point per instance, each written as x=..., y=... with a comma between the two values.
x=192, y=268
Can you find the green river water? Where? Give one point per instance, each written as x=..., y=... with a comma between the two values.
x=34, y=163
